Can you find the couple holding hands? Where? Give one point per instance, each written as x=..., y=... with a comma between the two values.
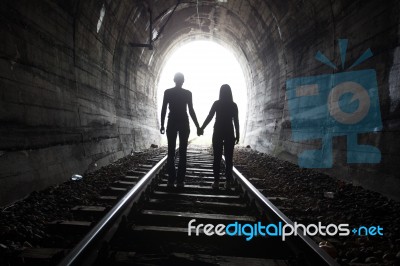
x=223, y=138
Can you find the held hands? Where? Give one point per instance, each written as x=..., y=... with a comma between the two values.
x=200, y=131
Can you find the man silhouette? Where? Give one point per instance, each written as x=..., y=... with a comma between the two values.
x=178, y=122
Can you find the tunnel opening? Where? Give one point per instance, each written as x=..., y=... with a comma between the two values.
x=206, y=65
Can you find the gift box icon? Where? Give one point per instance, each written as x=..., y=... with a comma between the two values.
x=340, y=104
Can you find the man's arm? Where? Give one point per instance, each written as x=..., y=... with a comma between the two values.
x=236, y=123
x=163, y=112
x=191, y=111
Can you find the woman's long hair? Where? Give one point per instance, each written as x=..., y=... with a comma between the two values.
x=225, y=93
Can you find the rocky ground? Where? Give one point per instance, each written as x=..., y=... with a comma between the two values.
x=306, y=202
x=23, y=224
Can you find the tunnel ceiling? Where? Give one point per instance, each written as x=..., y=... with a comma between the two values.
x=222, y=23
x=229, y=23
x=254, y=30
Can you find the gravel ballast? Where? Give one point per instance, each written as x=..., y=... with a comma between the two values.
x=24, y=224
x=312, y=197
x=305, y=196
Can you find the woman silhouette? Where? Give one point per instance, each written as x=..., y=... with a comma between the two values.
x=223, y=137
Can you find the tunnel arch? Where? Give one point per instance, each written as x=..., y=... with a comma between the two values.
x=177, y=44
x=228, y=38
x=77, y=94
x=206, y=65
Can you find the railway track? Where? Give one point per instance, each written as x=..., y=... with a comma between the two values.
x=148, y=223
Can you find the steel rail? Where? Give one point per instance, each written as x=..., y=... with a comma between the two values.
x=74, y=255
x=267, y=204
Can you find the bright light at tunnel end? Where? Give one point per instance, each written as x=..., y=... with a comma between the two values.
x=206, y=66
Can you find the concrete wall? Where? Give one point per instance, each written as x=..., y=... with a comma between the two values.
x=75, y=93
x=295, y=33
x=71, y=97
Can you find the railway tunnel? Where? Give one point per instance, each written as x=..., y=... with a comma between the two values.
x=79, y=80
x=80, y=94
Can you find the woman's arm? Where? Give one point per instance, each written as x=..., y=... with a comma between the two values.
x=236, y=123
x=209, y=117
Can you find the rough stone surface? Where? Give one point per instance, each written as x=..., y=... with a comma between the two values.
x=70, y=96
x=75, y=93
x=25, y=224
x=309, y=197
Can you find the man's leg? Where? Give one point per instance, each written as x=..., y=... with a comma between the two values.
x=183, y=143
x=217, y=148
x=171, y=136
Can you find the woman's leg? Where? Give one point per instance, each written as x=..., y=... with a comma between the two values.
x=171, y=135
x=217, y=147
x=229, y=145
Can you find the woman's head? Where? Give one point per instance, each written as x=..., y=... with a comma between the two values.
x=225, y=93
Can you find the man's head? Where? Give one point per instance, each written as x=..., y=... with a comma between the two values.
x=179, y=79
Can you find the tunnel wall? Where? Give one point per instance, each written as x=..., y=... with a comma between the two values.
x=73, y=98
x=286, y=47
